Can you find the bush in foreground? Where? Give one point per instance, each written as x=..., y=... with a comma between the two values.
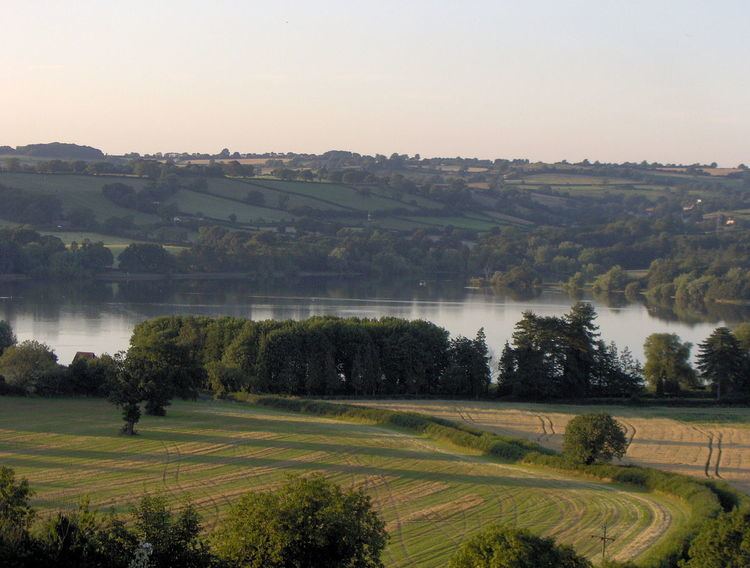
x=307, y=523
x=592, y=438
x=506, y=547
x=722, y=543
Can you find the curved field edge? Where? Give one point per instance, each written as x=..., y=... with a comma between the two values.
x=705, y=499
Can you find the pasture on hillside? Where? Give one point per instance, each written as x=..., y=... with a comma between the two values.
x=78, y=191
x=432, y=496
x=225, y=197
x=711, y=443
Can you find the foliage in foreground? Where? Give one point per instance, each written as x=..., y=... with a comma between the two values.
x=722, y=543
x=505, y=547
x=89, y=539
x=592, y=438
x=308, y=523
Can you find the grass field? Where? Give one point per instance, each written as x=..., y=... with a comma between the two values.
x=705, y=443
x=431, y=496
x=225, y=197
x=335, y=194
x=192, y=203
x=77, y=191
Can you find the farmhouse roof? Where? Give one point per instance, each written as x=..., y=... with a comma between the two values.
x=88, y=355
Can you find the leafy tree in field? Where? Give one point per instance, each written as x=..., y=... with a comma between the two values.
x=667, y=368
x=165, y=354
x=505, y=547
x=27, y=364
x=126, y=391
x=7, y=337
x=723, y=362
x=308, y=523
x=592, y=438
x=723, y=542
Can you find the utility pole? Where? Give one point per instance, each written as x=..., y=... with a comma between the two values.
x=605, y=540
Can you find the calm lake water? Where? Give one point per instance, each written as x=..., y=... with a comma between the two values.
x=100, y=317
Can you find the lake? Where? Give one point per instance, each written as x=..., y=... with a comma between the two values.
x=100, y=317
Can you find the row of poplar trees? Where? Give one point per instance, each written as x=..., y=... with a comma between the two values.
x=320, y=356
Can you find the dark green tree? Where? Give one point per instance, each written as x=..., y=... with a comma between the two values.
x=592, y=438
x=723, y=542
x=505, y=547
x=126, y=391
x=308, y=523
x=723, y=362
x=7, y=337
x=16, y=515
x=581, y=345
x=86, y=539
x=175, y=538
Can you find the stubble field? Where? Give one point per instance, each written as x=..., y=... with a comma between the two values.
x=432, y=496
x=705, y=443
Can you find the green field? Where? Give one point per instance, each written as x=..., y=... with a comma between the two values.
x=238, y=189
x=432, y=496
x=77, y=191
x=194, y=203
x=339, y=195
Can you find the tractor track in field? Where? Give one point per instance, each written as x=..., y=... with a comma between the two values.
x=630, y=432
x=719, y=439
x=548, y=428
x=715, y=450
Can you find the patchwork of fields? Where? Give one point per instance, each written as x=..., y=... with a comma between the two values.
x=431, y=496
x=706, y=443
x=273, y=201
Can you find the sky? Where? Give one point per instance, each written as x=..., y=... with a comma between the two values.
x=624, y=80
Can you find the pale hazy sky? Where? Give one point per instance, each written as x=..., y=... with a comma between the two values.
x=602, y=79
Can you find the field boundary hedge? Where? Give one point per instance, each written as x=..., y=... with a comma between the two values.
x=705, y=499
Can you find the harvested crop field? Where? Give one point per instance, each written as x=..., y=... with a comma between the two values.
x=705, y=443
x=432, y=496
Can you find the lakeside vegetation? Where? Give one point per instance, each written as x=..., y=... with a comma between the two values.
x=562, y=358
x=661, y=233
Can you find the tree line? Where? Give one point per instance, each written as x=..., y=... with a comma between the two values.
x=548, y=358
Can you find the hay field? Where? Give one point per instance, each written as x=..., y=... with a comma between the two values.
x=705, y=443
x=431, y=496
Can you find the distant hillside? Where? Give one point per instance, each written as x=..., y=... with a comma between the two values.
x=60, y=151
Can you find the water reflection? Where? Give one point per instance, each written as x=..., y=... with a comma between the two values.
x=100, y=316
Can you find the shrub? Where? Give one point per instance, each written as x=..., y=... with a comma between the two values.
x=722, y=543
x=505, y=547
x=592, y=438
